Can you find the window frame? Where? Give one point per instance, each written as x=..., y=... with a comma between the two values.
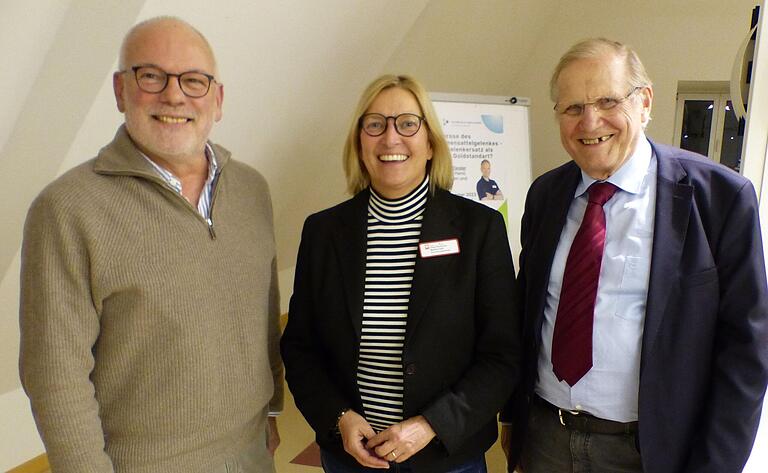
x=719, y=100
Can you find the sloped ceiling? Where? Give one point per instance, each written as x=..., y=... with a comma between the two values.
x=292, y=72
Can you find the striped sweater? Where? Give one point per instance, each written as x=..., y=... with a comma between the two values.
x=393, y=233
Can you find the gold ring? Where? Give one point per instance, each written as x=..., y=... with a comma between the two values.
x=394, y=455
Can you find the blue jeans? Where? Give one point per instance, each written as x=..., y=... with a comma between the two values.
x=332, y=465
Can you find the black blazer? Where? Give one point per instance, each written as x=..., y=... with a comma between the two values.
x=461, y=351
x=704, y=358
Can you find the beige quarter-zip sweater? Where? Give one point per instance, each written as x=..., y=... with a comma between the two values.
x=149, y=337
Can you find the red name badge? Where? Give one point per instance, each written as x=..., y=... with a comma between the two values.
x=430, y=249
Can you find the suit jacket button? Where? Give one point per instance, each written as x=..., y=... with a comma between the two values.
x=410, y=368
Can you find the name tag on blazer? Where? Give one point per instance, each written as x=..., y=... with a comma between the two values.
x=430, y=249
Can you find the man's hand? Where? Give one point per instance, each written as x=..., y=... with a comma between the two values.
x=273, y=436
x=402, y=440
x=355, y=430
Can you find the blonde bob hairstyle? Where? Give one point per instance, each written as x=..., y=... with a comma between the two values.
x=440, y=167
x=595, y=48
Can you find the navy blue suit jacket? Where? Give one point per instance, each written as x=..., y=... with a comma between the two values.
x=704, y=361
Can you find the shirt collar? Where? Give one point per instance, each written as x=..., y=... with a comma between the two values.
x=630, y=175
x=173, y=181
x=213, y=164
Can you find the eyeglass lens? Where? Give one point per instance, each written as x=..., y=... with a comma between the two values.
x=406, y=124
x=154, y=80
x=603, y=104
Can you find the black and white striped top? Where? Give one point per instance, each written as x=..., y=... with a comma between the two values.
x=394, y=227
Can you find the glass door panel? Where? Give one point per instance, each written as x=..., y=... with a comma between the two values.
x=732, y=140
x=697, y=125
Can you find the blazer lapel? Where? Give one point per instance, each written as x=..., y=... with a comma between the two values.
x=673, y=203
x=350, y=245
x=440, y=223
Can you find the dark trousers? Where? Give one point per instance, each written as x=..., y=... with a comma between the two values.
x=332, y=465
x=551, y=448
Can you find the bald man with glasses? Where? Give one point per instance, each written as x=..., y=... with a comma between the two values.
x=149, y=300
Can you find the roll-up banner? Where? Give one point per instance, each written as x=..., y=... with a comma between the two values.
x=489, y=137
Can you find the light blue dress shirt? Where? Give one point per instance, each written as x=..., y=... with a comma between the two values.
x=204, y=202
x=610, y=389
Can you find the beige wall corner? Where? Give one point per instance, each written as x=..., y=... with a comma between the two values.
x=19, y=440
x=9, y=329
x=285, y=279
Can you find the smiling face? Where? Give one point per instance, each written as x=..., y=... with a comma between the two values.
x=485, y=169
x=601, y=141
x=169, y=126
x=396, y=164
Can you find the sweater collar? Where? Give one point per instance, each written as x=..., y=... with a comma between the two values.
x=399, y=210
x=121, y=156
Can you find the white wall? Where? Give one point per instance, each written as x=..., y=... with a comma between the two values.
x=26, y=61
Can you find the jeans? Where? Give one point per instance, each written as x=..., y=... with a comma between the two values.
x=551, y=448
x=332, y=465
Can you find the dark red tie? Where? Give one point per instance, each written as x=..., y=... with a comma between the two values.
x=572, y=339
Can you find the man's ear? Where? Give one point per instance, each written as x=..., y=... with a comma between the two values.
x=118, y=86
x=647, y=98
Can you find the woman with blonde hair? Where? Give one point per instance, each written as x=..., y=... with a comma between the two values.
x=402, y=337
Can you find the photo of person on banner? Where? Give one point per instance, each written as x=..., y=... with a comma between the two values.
x=487, y=189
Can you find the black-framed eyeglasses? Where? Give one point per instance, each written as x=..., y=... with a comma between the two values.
x=153, y=80
x=603, y=104
x=406, y=124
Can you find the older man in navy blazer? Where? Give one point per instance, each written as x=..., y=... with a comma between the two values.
x=644, y=289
